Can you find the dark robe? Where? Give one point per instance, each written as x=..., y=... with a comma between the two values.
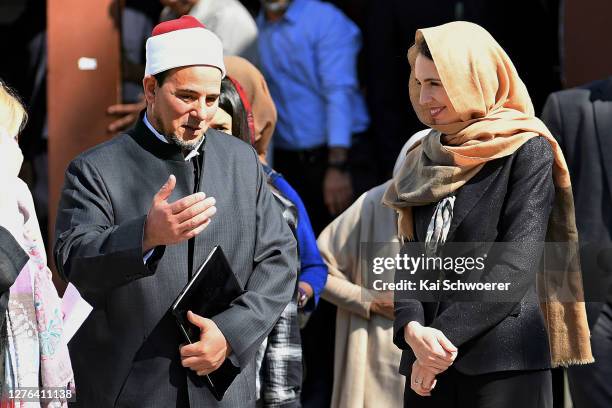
x=127, y=352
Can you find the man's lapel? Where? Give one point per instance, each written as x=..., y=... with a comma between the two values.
x=602, y=108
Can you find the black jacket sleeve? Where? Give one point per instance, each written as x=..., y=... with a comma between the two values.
x=406, y=311
x=91, y=250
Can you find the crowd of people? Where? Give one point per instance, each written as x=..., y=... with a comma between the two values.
x=290, y=133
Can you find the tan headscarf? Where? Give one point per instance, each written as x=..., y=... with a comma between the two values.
x=257, y=93
x=496, y=119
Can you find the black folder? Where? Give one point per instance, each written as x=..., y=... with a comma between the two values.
x=209, y=292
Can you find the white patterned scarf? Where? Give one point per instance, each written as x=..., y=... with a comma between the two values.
x=440, y=223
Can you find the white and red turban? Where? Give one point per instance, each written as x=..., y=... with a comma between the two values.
x=180, y=43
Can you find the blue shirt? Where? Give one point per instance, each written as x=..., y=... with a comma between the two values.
x=309, y=59
x=312, y=268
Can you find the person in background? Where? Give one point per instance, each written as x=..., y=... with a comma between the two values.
x=232, y=117
x=281, y=358
x=229, y=19
x=366, y=360
x=580, y=119
x=136, y=25
x=308, y=52
x=258, y=96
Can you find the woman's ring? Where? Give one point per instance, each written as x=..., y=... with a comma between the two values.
x=418, y=381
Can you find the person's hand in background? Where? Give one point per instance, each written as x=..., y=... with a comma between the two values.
x=125, y=115
x=382, y=305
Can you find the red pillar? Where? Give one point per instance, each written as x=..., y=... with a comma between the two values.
x=83, y=80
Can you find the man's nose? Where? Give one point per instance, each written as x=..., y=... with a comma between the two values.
x=200, y=110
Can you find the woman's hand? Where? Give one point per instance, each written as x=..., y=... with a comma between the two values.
x=430, y=346
x=305, y=293
x=422, y=381
x=382, y=305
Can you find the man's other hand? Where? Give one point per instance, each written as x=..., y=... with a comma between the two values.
x=208, y=354
x=171, y=223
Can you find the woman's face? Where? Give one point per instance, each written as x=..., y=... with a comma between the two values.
x=432, y=95
x=222, y=121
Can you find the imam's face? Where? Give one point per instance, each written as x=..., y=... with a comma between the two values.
x=185, y=104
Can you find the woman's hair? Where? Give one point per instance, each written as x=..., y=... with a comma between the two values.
x=13, y=115
x=231, y=102
x=423, y=48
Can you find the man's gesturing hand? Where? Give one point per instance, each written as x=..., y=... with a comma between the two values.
x=170, y=223
x=208, y=354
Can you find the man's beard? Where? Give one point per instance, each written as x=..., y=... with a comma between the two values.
x=185, y=146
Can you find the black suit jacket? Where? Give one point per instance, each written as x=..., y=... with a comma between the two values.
x=581, y=121
x=127, y=352
x=509, y=200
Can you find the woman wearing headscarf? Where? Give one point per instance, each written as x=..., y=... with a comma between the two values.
x=257, y=94
x=488, y=172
